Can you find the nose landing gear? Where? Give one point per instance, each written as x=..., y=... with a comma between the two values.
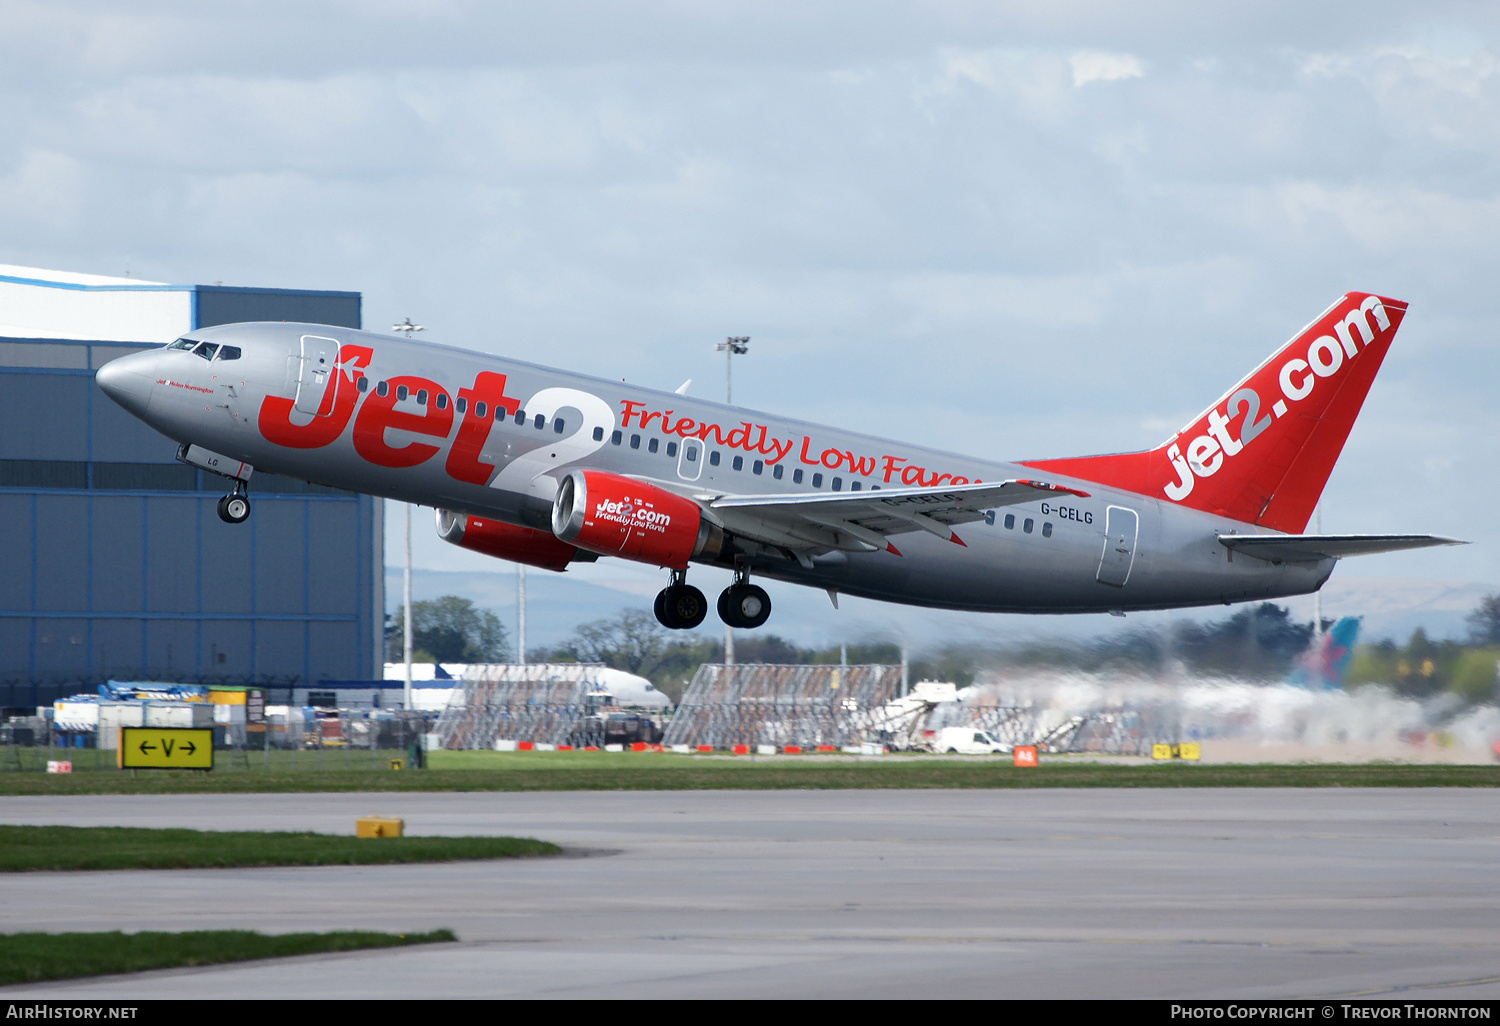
x=744, y=605
x=680, y=606
x=234, y=508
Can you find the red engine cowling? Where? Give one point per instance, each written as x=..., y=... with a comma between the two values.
x=507, y=541
x=619, y=516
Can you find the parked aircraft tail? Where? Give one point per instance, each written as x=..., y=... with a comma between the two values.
x=1323, y=665
x=1262, y=453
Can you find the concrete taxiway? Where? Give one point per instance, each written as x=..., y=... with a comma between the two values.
x=1045, y=893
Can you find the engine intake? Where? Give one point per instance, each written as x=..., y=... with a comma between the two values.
x=507, y=541
x=619, y=516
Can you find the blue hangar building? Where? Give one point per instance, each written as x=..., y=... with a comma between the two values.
x=116, y=563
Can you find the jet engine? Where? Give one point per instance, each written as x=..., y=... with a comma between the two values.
x=619, y=516
x=507, y=541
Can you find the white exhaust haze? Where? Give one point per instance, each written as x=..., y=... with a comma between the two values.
x=1236, y=720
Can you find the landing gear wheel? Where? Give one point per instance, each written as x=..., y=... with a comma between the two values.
x=234, y=508
x=744, y=605
x=680, y=607
x=686, y=605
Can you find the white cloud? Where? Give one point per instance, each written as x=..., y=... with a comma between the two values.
x=1093, y=66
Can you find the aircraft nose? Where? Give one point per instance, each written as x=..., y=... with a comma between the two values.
x=129, y=380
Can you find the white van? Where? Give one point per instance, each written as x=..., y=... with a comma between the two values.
x=968, y=741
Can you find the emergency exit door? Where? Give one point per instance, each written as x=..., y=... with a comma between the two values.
x=1120, y=528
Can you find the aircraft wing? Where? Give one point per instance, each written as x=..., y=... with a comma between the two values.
x=862, y=521
x=1309, y=548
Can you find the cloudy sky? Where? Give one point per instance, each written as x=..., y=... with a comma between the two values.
x=1015, y=230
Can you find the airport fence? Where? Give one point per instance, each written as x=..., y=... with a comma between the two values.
x=345, y=740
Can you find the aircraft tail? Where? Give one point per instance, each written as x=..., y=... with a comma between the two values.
x=1263, y=452
x=1323, y=665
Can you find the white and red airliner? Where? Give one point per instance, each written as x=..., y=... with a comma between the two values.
x=548, y=467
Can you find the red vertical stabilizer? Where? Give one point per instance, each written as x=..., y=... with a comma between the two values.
x=1263, y=452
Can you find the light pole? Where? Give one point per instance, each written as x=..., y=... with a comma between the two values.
x=408, y=327
x=734, y=345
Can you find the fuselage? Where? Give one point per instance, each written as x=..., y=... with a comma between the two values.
x=417, y=421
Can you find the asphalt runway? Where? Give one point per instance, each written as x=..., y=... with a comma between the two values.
x=827, y=894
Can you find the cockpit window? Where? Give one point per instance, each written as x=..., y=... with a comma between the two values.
x=233, y=353
x=183, y=343
x=206, y=350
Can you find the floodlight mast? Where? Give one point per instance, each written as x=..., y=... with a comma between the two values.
x=734, y=345
x=408, y=327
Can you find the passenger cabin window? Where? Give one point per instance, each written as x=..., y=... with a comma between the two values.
x=557, y=426
x=615, y=438
x=480, y=409
x=777, y=471
x=401, y=392
x=672, y=449
x=1028, y=525
x=540, y=420
x=233, y=353
x=739, y=463
x=1047, y=529
x=1010, y=521
x=520, y=418
x=442, y=400
x=692, y=455
x=854, y=486
x=461, y=404
x=362, y=383
x=383, y=389
x=421, y=397
x=713, y=458
x=817, y=480
x=653, y=445
x=635, y=441
x=598, y=434
x=797, y=476
x=757, y=467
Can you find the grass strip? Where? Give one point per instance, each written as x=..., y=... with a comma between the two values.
x=600, y=771
x=34, y=957
x=28, y=848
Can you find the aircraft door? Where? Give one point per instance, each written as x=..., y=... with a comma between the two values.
x=314, y=392
x=1120, y=529
x=690, y=459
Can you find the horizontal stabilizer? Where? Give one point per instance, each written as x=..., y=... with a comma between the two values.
x=1309, y=548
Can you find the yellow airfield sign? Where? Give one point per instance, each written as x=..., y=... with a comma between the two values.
x=166, y=748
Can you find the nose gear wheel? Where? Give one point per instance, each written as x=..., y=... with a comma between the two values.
x=234, y=508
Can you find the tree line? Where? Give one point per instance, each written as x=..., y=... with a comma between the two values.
x=1258, y=643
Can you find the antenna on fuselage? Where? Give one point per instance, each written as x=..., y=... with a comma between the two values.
x=408, y=327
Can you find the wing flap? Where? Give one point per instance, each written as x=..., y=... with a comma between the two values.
x=866, y=517
x=1309, y=548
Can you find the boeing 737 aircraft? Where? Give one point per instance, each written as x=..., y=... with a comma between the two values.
x=547, y=467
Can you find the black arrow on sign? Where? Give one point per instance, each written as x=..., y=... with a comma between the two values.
x=189, y=747
x=147, y=748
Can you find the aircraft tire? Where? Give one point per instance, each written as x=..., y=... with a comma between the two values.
x=746, y=606
x=663, y=614
x=234, y=509
x=686, y=605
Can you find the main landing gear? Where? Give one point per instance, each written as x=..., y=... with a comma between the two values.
x=680, y=606
x=234, y=508
x=743, y=604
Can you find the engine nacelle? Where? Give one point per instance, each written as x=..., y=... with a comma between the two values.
x=619, y=516
x=507, y=541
